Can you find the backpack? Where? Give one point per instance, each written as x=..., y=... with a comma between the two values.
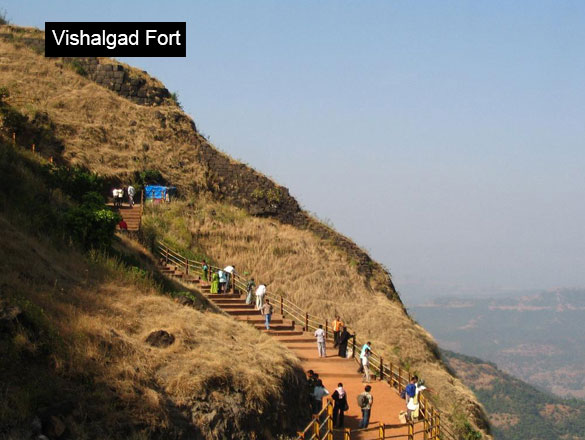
x=362, y=400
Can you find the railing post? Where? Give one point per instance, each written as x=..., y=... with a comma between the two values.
x=425, y=429
x=391, y=375
x=399, y=379
x=438, y=426
x=316, y=428
x=381, y=368
x=281, y=306
x=381, y=432
x=410, y=430
x=166, y=255
x=329, y=420
x=306, y=322
x=347, y=434
x=186, y=266
x=353, y=346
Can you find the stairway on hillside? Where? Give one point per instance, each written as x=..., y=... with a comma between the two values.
x=331, y=369
x=235, y=305
x=131, y=215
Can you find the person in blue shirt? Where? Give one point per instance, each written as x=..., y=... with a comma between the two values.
x=222, y=281
x=366, y=346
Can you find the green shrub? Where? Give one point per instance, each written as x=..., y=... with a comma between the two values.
x=91, y=223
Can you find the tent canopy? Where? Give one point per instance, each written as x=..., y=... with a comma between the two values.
x=158, y=191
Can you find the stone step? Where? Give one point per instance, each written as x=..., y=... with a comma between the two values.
x=274, y=326
x=236, y=306
x=260, y=320
x=239, y=312
x=223, y=301
x=281, y=333
x=213, y=296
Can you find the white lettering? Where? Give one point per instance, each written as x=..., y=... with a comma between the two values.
x=111, y=41
x=58, y=40
x=133, y=39
x=148, y=36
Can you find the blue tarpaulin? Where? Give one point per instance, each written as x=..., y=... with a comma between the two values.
x=157, y=191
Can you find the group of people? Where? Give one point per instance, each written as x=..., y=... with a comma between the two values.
x=341, y=337
x=221, y=279
x=118, y=195
x=317, y=391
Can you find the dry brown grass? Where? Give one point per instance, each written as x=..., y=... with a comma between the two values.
x=101, y=130
x=313, y=274
x=102, y=315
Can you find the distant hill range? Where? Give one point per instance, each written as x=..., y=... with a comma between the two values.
x=539, y=338
x=518, y=411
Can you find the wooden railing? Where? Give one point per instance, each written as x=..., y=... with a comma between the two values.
x=394, y=374
x=321, y=428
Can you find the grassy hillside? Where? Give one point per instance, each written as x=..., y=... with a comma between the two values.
x=229, y=212
x=74, y=325
x=517, y=410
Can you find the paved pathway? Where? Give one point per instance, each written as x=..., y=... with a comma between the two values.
x=331, y=369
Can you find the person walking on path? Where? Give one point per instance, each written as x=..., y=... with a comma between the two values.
x=214, y=283
x=339, y=396
x=131, y=193
x=366, y=346
x=222, y=280
x=337, y=325
x=318, y=393
x=260, y=292
x=230, y=273
x=412, y=391
x=366, y=366
x=320, y=335
x=205, y=270
x=267, y=310
x=343, y=340
x=365, y=401
x=250, y=289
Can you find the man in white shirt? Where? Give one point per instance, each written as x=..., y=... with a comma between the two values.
x=230, y=272
x=320, y=335
x=260, y=291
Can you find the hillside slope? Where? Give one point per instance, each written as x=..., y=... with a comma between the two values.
x=260, y=227
x=82, y=353
x=517, y=410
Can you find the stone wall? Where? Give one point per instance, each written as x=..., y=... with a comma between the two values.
x=120, y=79
x=113, y=76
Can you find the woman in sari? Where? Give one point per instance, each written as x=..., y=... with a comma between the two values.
x=205, y=270
x=214, y=283
x=250, y=290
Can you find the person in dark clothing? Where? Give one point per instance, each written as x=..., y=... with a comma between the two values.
x=339, y=396
x=343, y=340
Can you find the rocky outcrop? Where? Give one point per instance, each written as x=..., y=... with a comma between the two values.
x=118, y=78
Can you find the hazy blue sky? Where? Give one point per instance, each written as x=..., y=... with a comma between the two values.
x=446, y=137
